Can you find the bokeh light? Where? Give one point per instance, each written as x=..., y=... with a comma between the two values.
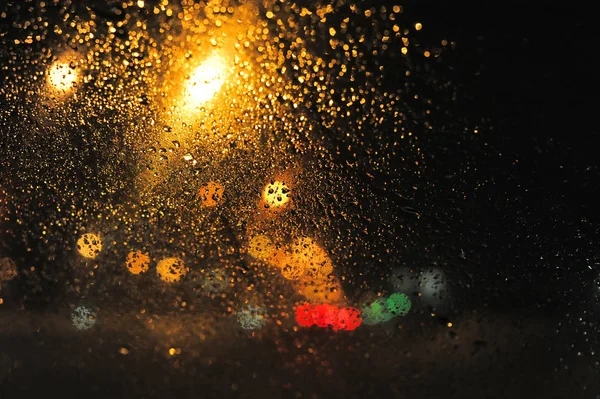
x=376, y=312
x=261, y=247
x=328, y=316
x=403, y=279
x=348, y=319
x=252, y=317
x=433, y=287
x=211, y=194
x=171, y=270
x=304, y=315
x=89, y=245
x=327, y=290
x=398, y=304
x=137, y=262
x=276, y=195
x=215, y=281
x=8, y=270
x=83, y=318
x=62, y=77
x=205, y=81
x=291, y=268
x=325, y=315
x=314, y=258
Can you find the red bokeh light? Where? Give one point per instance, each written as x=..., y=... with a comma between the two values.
x=304, y=315
x=348, y=319
x=326, y=315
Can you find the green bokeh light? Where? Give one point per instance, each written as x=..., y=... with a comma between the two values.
x=398, y=304
x=376, y=312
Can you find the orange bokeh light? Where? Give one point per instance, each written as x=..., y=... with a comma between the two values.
x=137, y=262
x=211, y=194
x=171, y=269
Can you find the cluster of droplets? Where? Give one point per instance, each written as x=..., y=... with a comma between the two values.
x=304, y=262
x=187, y=87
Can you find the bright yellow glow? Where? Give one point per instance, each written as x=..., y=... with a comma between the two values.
x=276, y=194
x=327, y=290
x=137, y=262
x=171, y=269
x=316, y=262
x=89, y=245
x=211, y=193
x=62, y=77
x=205, y=81
x=291, y=268
x=261, y=247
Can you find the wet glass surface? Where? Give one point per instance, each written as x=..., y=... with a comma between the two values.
x=241, y=198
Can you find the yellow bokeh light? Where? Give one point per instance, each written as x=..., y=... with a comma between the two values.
x=291, y=268
x=137, y=262
x=276, y=194
x=62, y=77
x=211, y=194
x=89, y=245
x=261, y=247
x=205, y=81
x=317, y=263
x=328, y=290
x=171, y=269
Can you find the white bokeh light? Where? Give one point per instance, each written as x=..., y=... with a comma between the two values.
x=205, y=81
x=62, y=78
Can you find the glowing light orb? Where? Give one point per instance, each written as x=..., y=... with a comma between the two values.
x=376, y=312
x=209, y=282
x=215, y=281
x=404, y=279
x=8, y=269
x=261, y=247
x=211, y=194
x=325, y=315
x=252, y=318
x=291, y=268
x=89, y=245
x=83, y=318
x=205, y=81
x=171, y=269
x=432, y=285
x=62, y=77
x=314, y=258
x=137, y=262
x=398, y=304
x=304, y=315
x=328, y=290
x=348, y=319
x=276, y=194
